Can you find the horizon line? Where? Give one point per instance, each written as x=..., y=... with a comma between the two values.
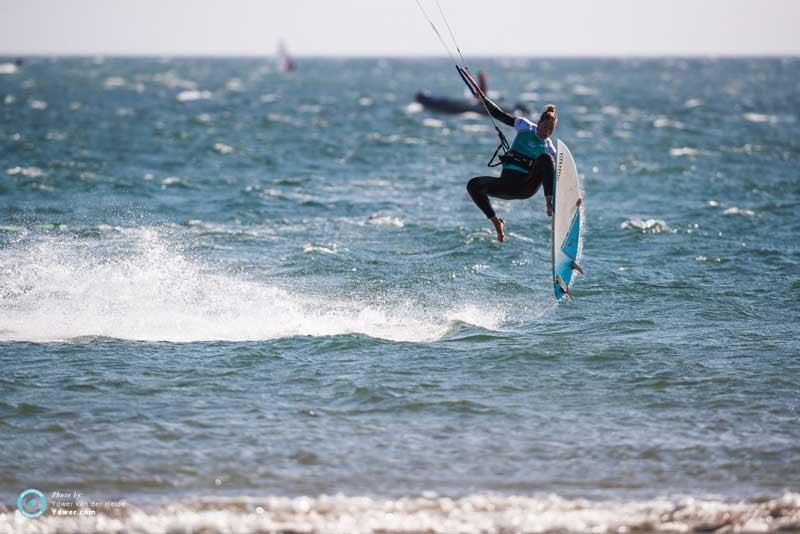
x=437, y=56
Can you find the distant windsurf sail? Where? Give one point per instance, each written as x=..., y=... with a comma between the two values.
x=286, y=62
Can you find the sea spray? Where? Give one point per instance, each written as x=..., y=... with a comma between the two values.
x=143, y=286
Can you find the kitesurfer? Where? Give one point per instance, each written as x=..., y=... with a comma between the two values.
x=528, y=165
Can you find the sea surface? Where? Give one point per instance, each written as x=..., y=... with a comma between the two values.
x=238, y=299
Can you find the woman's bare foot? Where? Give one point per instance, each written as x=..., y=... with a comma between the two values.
x=499, y=225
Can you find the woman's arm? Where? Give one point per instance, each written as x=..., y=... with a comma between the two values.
x=498, y=113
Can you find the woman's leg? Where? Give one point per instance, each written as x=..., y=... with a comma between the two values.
x=479, y=188
x=510, y=185
x=543, y=173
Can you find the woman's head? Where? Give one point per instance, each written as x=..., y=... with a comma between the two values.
x=547, y=121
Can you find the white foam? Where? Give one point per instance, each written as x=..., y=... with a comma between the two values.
x=8, y=68
x=684, y=151
x=188, y=96
x=739, y=211
x=761, y=117
x=173, y=180
x=204, y=118
x=278, y=117
x=222, y=148
x=31, y=172
x=475, y=128
x=234, y=84
x=309, y=247
x=648, y=226
x=663, y=122
x=171, y=80
x=432, y=123
x=473, y=514
x=134, y=285
x=583, y=90
x=385, y=220
x=114, y=82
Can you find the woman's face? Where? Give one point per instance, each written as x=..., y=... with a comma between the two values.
x=546, y=127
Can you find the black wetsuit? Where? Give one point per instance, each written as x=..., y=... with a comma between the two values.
x=512, y=184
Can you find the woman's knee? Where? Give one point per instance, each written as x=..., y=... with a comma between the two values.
x=475, y=186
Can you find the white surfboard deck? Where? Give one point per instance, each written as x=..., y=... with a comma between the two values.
x=567, y=223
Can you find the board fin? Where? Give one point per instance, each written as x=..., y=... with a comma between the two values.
x=564, y=287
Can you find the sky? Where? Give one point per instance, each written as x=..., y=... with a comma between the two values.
x=397, y=28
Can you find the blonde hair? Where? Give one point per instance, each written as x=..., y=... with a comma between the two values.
x=549, y=113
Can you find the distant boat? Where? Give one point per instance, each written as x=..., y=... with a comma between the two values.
x=444, y=104
x=460, y=105
x=448, y=105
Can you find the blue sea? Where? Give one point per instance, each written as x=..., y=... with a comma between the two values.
x=236, y=299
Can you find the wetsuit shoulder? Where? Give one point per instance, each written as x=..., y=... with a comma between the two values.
x=521, y=124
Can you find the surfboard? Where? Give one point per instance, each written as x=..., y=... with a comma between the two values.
x=567, y=223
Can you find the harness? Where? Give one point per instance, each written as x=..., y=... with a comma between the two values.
x=514, y=158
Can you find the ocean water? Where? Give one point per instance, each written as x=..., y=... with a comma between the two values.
x=236, y=299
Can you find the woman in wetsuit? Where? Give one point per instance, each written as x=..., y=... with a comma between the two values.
x=528, y=165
